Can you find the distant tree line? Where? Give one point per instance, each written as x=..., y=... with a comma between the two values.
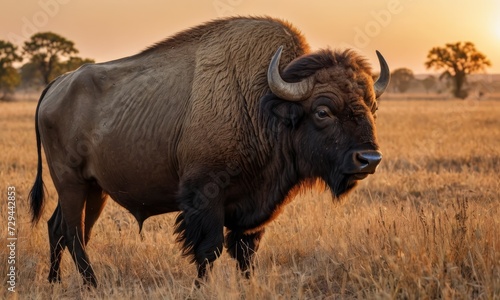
x=403, y=79
x=457, y=60
x=48, y=55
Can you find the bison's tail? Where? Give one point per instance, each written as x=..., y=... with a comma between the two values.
x=37, y=192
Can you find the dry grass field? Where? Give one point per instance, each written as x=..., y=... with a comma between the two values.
x=425, y=226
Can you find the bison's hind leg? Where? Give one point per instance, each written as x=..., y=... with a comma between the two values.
x=57, y=244
x=66, y=227
x=96, y=200
x=242, y=247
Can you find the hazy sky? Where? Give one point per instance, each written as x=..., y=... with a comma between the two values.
x=403, y=30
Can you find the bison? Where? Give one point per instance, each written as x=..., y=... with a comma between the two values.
x=222, y=123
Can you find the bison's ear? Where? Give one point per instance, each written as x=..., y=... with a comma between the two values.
x=279, y=111
x=286, y=112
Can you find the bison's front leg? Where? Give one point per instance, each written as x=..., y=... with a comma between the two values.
x=242, y=247
x=200, y=227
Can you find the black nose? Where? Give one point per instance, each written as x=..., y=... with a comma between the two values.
x=364, y=161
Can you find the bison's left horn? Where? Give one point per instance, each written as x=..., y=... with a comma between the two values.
x=295, y=91
x=384, y=78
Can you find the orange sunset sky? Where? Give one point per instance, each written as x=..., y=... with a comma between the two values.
x=403, y=30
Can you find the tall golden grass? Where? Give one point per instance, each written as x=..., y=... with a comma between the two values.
x=426, y=225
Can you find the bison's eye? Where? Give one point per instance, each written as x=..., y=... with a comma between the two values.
x=323, y=112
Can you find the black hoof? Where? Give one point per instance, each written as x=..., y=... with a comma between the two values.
x=90, y=282
x=54, y=279
x=199, y=282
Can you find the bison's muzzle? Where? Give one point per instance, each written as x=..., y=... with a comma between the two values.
x=361, y=163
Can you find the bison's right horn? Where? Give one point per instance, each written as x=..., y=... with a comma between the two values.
x=384, y=78
x=295, y=91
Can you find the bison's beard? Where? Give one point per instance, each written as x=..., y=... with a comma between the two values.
x=341, y=184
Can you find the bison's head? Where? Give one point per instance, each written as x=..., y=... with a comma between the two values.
x=326, y=104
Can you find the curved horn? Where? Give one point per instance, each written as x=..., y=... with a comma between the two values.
x=295, y=91
x=385, y=76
